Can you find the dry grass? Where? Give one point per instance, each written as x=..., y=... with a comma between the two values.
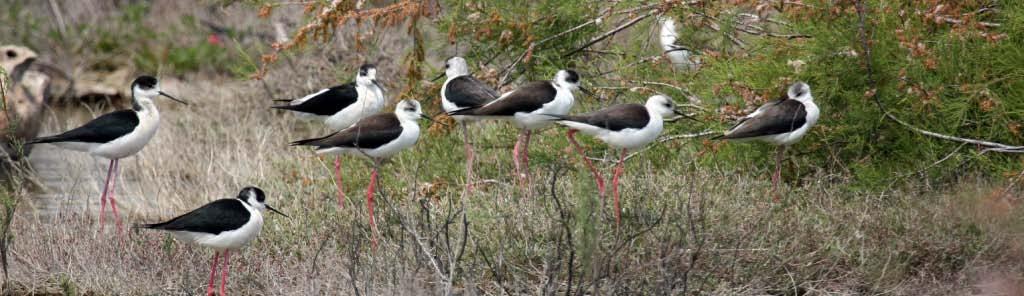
x=689, y=227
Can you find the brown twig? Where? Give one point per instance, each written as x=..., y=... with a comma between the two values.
x=618, y=29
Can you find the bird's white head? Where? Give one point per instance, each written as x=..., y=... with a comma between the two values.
x=801, y=92
x=12, y=55
x=255, y=198
x=568, y=79
x=144, y=89
x=367, y=75
x=409, y=110
x=455, y=67
x=661, y=105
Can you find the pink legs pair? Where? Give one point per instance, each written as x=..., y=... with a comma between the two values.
x=109, y=187
x=370, y=190
x=224, y=273
x=470, y=157
x=369, y=194
x=777, y=175
x=521, y=159
x=619, y=168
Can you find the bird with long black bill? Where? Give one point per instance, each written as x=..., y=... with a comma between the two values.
x=116, y=135
x=782, y=123
x=528, y=107
x=460, y=91
x=624, y=127
x=378, y=138
x=341, y=106
x=224, y=225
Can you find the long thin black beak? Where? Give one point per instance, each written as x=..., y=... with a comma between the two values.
x=275, y=210
x=588, y=92
x=438, y=77
x=172, y=98
x=680, y=113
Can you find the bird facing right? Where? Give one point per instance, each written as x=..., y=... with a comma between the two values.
x=626, y=127
x=223, y=225
x=782, y=122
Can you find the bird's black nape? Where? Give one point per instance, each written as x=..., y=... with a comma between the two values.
x=145, y=82
x=252, y=191
x=572, y=76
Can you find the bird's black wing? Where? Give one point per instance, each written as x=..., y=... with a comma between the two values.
x=368, y=133
x=103, y=129
x=328, y=101
x=615, y=118
x=213, y=218
x=527, y=98
x=467, y=91
x=778, y=118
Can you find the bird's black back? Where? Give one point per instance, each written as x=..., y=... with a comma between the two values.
x=103, y=129
x=213, y=218
x=329, y=102
x=467, y=91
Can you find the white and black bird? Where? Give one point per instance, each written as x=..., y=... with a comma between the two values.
x=341, y=106
x=680, y=55
x=529, y=107
x=224, y=225
x=781, y=123
x=116, y=135
x=625, y=127
x=378, y=138
x=461, y=91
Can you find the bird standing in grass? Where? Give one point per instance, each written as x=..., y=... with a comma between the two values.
x=781, y=123
x=116, y=135
x=224, y=225
x=530, y=108
x=461, y=91
x=625, y=127
x=341, y=106
x=378, y=138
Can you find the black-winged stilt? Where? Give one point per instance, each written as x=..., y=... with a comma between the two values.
x=224, y=225
x=625, y=127
x=377, y=137
x=781, y=123
x=461, y=91
x=341, y=106
x=116, y=135
x=529, y=107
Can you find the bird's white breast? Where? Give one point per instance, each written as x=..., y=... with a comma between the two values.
x=370, y=101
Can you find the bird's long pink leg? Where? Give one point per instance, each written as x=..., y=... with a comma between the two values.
x=225, y=272
x=597, y=176
x=113, y=191
x=516, y=155
x=369, y=204
x=341, y=190
x=777, y=175
x=213, y=274
x=526, y=160
x=615, y=186
x=470, y=157
x=106, y=189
